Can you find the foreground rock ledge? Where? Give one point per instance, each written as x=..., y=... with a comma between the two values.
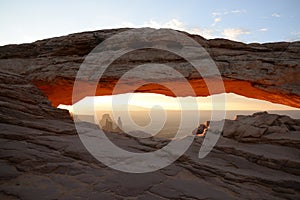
x=267, y=71
x=42, y=157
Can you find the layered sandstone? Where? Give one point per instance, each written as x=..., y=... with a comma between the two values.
x=267, y=71
x=42, y=157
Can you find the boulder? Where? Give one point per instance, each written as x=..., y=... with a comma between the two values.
x=257, y=125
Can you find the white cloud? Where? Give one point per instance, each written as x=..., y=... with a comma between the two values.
x=215, y=14
x=275, y=15
x=295, y=36
x=234, y=33
x=226, y=12
x=128, y=24
x=173, y=24
x=179, y=25
x=263, y=29
x=236, y=11
x=216, y=20
x=208, y=33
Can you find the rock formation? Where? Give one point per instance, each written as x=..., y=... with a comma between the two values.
x=259, y=125
x=201, y=130
x=267, y=71
x=42, y=157
x=108, y=125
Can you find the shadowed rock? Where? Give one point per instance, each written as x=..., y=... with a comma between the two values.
x=254, y=127
x=42, y=157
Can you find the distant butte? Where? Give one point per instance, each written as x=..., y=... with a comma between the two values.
x=267, y=71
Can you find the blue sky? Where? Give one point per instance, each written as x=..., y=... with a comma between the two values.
x=240, y=20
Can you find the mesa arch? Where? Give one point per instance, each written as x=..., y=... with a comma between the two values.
x=267, y=71
x=61, y=91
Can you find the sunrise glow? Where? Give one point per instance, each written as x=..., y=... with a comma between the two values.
x=145, y=101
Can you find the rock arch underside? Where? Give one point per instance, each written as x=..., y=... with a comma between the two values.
x=42, y=156
x=267, y=71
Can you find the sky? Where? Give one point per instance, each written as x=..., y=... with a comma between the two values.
x=139, y=101
x=240, y=20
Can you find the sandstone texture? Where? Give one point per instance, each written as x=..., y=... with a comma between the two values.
x=258, y=126
x=42, y=157
x=267, y=71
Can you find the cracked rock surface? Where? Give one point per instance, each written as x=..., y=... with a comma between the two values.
x=42, y=157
